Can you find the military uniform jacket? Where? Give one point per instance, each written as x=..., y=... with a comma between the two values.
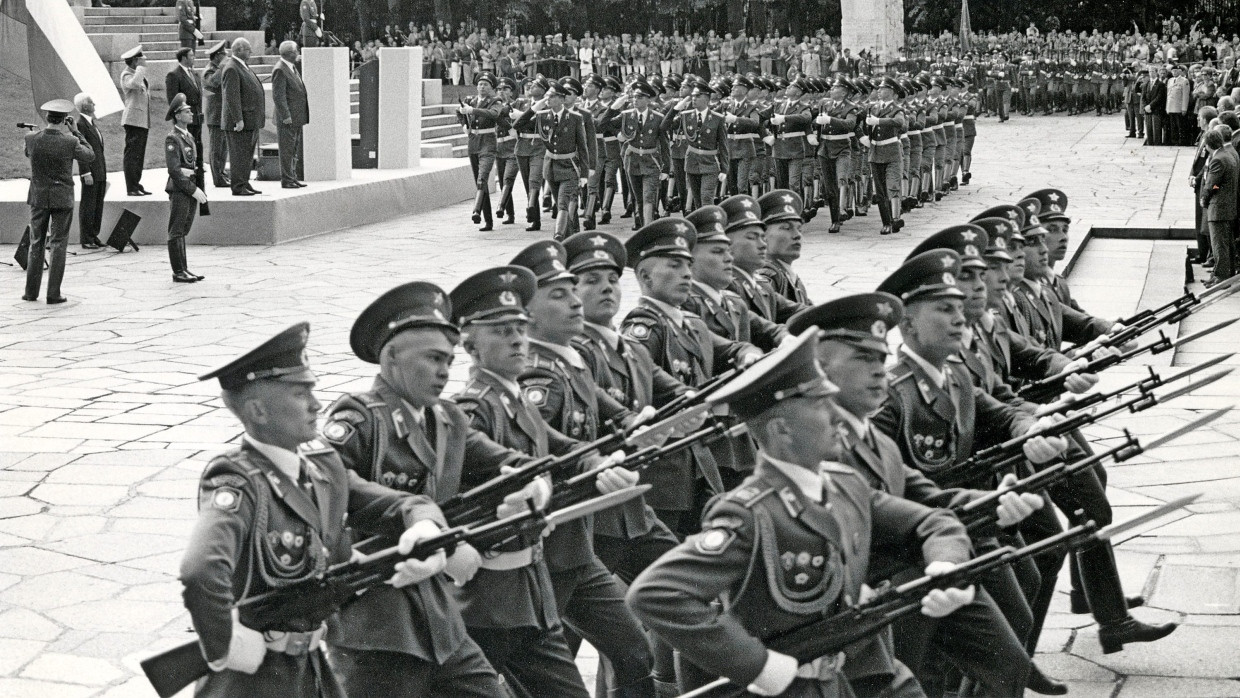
x=1051, y=322
x=257, y=530
x=783, y=281
x=529, y=139
x=731, y=318
x=705, y=138
x=52, y=153
x=480, y=125
x=574, y=405
x=373, y=432
x=212, y=82
x=521, y=597
x=185, y=20
x=769, y=559
x=136, y=92
x=835, y=136
x=790, y=135
x=938, y=427
x=1017, y=358
x=743, y=134
x=885, y=137
x=180, y=153
x=1059, y=285
x=646, y=150
x=563, y=135
x=593, y=143
x=605, y=122
x=761, y=298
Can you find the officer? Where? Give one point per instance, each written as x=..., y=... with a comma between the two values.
x=836, y=126
x=480, y=115
x=411, y=641
x=607, y=114
x=679, y=341
x=506, y=167
x=311, y=31
x=530, y=150
x=646, y=153
x=743, y=133
x=884, y=124
x=772, y=550
x=272, y=513
x=211, y=80
x=785, y=135
x=707, y=156
x=567, y=151
x=1004, y=222
x=509, y=607
x=782, y=214
x=677, y=145
x=187, y=24
x=968, y=118
x=748, y=234
x=180, y=155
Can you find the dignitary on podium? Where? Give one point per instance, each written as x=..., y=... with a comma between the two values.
x=212, y=80
x=136, y=91
x=94, y=178
x=183, y=192
x=184, y=80
x=292, y=113
x=242, y=115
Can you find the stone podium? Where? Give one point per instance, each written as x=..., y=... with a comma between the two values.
x=877, y=25
x=400, y=108
x=326, y=74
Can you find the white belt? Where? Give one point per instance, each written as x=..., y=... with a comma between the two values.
x=887, y=141
x=504, y=139
x=794, y=134
x=295, y=644
x=700, y=151
x=823, y=668
x=970, y=117
x=513, y=560
x=561, y=156
x=610, y=139
x=937, y=127
x=481, y=131
x=643, y=151
x=838, y=136
x=742, y=136
x=531, y=136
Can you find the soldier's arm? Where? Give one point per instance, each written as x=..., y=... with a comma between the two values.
x=729, y=352
x=898, y=522
x=722, y=155
x=766, y=335
x=349, y=428
x=1001, y=421
x=1031, y=360
x=585, y=148
x=1080, y=327
x=376, y=509
x=609, y=410
x=797, y=120
x=526, y=118
x=784, y=308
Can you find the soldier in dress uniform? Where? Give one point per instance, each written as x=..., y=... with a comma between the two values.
x=479, y=115
x=785, y=135
x=748, y=234
x=272, y=513
x=605, y=110
x=646, y=154
x=679, y=341
x=506, y=167
x=400, y=433
x=782, y=214
x=568, y=151
x=1053, y=204
x=969, y=132
x=311, y=32
x=744, y=131
x=1005, y=221
x=509, y=607
x=836, y=126
x=790, y=545
x=187, y=24
x=884, y=123
x=211, y=81
x=706, y=145
x=181, y=157
x=530, y=149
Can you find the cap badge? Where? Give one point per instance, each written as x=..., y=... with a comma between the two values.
x=879, y=328
x=437, y=299
x=1053, y=197
x=598, y=241
x=601, y=254
x=970, y=251
x=947, y=261
x=786, y=198
x=949, y=279
x=507, y=298
x=681, y=242
x=968, y=235
x=508, y=277
x=557, y=265
x=1011, y=214
x=883, y=309
x=552, y=252
x=1001, y=243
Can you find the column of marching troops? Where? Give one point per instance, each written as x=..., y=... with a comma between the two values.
x=818, y=484
x=673, y=144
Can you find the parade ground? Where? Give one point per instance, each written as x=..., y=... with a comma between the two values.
x=104, y=428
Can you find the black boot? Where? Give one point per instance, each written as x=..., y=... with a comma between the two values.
x=638, y=222
x=179, y=275
x=185, y=261
x=1042, y=684
x=1080, y=606
x=1116, y=627
x=534, y=219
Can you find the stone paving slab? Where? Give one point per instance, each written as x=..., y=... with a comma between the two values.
x=104, y=429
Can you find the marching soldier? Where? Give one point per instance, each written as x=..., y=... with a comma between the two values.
x=567, y=156
x=480, y=115
x=706, y=145
x=272, y=513
x=572, y=101
x=607, y=124
x=506, y=166
x=836, y=126
x=782, y=217
x=785, y=135
x=743, y=133
x=530, y=150
x=646, y=152
x=885, y=123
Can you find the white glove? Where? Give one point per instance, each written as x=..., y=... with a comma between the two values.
x=662, y=176
x=468, y=109
x=1015, y=507
x=769, y=140
x=777, y=675
x=619, y=102
x=615, y=479
x=943, y=602
x=514, y=114
x=413, y=571
x=865, y=141
x=748, y=358
x=684, y=103
x=198, y=35
x=729, y=118
x=778, y=119
x=822, y=119
x=723, y=176
x=88, y=179
x=463, y=564
x=318, y=32
x=583, y=182
x=1041, y=449
x=812, y=139
x=1080, y=382
x=643, y=416
x=871, y=120
x=539, y=491
x=200, y=196
x=246, y=648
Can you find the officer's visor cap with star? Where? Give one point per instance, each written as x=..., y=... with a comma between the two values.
x=485, y=77
x=493, y=296
x=791, y=371
x=1054, y=204
x=415, y=305
x=709, y=222
x=547, y=259
x=134, y=52
x=928, y=276
x=571, y=86
x=666, y=237
x=57, y=106
x=1001, y=234
x=780, y=205
x=177, y=103
x=281, y=358
x=216, y=48
x=1033, y=222
x=966, y=239
x=841, y=81
x=861, y=320
x=742, y=211
x=644, y=89
x=593, y=250
x=1015, y=214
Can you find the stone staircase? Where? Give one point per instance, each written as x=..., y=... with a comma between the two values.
x=442, y=135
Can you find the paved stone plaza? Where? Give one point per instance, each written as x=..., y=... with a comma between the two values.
x=104, y=429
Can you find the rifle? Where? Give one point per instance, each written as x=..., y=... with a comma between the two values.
x=1052, y=386
x=826, y=636
x=317, y=599
x=1009, y=454
x=981, y=512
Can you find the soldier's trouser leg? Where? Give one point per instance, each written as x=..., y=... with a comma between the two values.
x=181, y=212
x=1005, y=103
x=831, y=187
x=538, y=661
x=794, y=174
x=219, y=156
x=680, y=179
x=650, y=196
x=481, y=165
x=879, y=177
x=509, y=183
x=48, y=227
x=377, y=673
x=591, y=602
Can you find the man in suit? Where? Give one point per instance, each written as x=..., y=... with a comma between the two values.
x=242, y=115
x=212, y=80
x=184, y=80
x=94, y=180
x=136, y=92
x=52, y=152
x=183, y=191
x=187, y=24
x=292, y=113
x=1154, y=97
x=311, y=32
x=1218, y=199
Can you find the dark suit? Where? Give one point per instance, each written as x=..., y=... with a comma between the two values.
x=211, y=80
x=244, y=104
x=90, y=212
x=52, y=153
x=1218, y=198
x=1154, y=96
x=292, y=113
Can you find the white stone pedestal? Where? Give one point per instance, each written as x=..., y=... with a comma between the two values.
x=400, y=108
x=877, y=25
x=326, y=74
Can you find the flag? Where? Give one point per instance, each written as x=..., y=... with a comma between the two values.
x=43, y=42
x=966, y=27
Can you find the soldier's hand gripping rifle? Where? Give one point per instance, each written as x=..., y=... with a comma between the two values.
x=1051, y=387
x=1010, y=454
x=318, y=598
x=830, y=635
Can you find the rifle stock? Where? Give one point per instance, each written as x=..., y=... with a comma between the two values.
x=173, y=670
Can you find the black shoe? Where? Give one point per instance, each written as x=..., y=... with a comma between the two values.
x=508, y=221
x=808, y=214
x=301, y=185
x=954, y=183
x=57, y=300
x=134, y=192
x=184, y=277
x=244, y=192
x=589, y=223
x=835, y=228
x=938, y=196
x=628, y=212
x=290, y=186
x=908, y=203
x=199, y=277
x=30, y=298
x=252, y=190
x=885, y=231
x=964, y=178
x=1043, y=684
x=476, y=218
x=1079, y=605
x=221, y=184
x=605, y=218
x=638, y=223
x=1114, y=637
x=485, y=228
x=90, y=246
x=499, y=213
x=862, y=212
x=897, y=225
x=535, y=226
x=845, y=216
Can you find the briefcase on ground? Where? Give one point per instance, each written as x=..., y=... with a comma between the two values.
x=122, y=234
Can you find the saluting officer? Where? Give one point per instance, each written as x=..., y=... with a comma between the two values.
x=790, y=545
x=479, y=115
x=506, y=167
x=272, y=513
x=531, y=150
x=646, y=154
x=706, y=145
x=567, y=152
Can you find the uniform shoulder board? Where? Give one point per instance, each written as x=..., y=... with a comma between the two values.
x=472, y=392
x=538, y=363
x=899, y=373
x=729, y=293
x=837, y=468
x=955, y=359
x=690, y=315
x=315, y=446
x=630, y=110
x=748, y=495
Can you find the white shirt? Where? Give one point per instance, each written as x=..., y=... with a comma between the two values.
x=609, y=335
x=291, y=67
x=513, y=389
x=710, y=291
x=676, y=314
x=287, y=462
x=810, y=482
x=569, y=354
x=939, y=378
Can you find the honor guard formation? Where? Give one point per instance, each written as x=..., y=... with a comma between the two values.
x=731, y=490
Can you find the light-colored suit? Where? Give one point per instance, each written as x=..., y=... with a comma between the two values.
x=136, y=92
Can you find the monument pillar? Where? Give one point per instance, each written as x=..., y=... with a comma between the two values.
x=400, y=108
x=327, y=150
x=877, y=25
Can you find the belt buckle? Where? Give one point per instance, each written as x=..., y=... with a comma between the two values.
x=298, y=643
